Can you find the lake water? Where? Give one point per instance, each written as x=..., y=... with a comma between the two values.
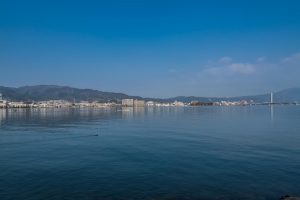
x=153, y=153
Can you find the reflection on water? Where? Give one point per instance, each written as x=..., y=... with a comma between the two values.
x=272, y=112
x=59, y=116
x=2, y=116
x=55, y=116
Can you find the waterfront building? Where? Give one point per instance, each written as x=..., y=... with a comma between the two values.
x=52, y=104
x=163, y=104
x=139, y=103
x=150, y=103
x=178, y=103
x=3, y=103
x=233, y=103
x=18, y=105
x=83, y=104
x=127, y=102
x=197, y=103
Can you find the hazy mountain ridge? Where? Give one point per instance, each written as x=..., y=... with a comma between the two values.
x=54, y=92
x=287, y=95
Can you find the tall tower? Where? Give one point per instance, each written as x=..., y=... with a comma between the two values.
x=0, y=96
x=271, y=98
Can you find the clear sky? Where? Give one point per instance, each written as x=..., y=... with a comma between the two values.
x=152, y=48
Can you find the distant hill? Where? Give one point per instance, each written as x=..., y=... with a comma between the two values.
x=288, y=95
x=53, y=92
x=255, y=98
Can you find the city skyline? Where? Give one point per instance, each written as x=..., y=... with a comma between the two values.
x=152, y=48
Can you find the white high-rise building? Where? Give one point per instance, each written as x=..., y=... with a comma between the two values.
x=127, y=102
x=0, y=96
x=271, y=98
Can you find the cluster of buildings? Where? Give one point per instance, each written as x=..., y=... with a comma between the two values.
x=140, y=103
x=234, y=103
x=2, y=102
x=55, y=104
x=124, y=103
x=52, y=104
x=133, y=103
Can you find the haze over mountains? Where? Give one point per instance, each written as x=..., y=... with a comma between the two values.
x=53, y=92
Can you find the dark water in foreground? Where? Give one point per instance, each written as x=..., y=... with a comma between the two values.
x=165, y=153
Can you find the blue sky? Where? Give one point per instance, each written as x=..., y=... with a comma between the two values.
x=152, y=48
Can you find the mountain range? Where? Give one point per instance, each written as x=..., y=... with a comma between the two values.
x=54, y=92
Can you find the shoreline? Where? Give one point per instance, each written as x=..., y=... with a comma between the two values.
x=119, y=105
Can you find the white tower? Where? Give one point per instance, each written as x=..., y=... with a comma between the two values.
x=271, y=98
x=0, y=96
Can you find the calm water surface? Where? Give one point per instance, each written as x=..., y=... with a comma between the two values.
x=154, y=153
